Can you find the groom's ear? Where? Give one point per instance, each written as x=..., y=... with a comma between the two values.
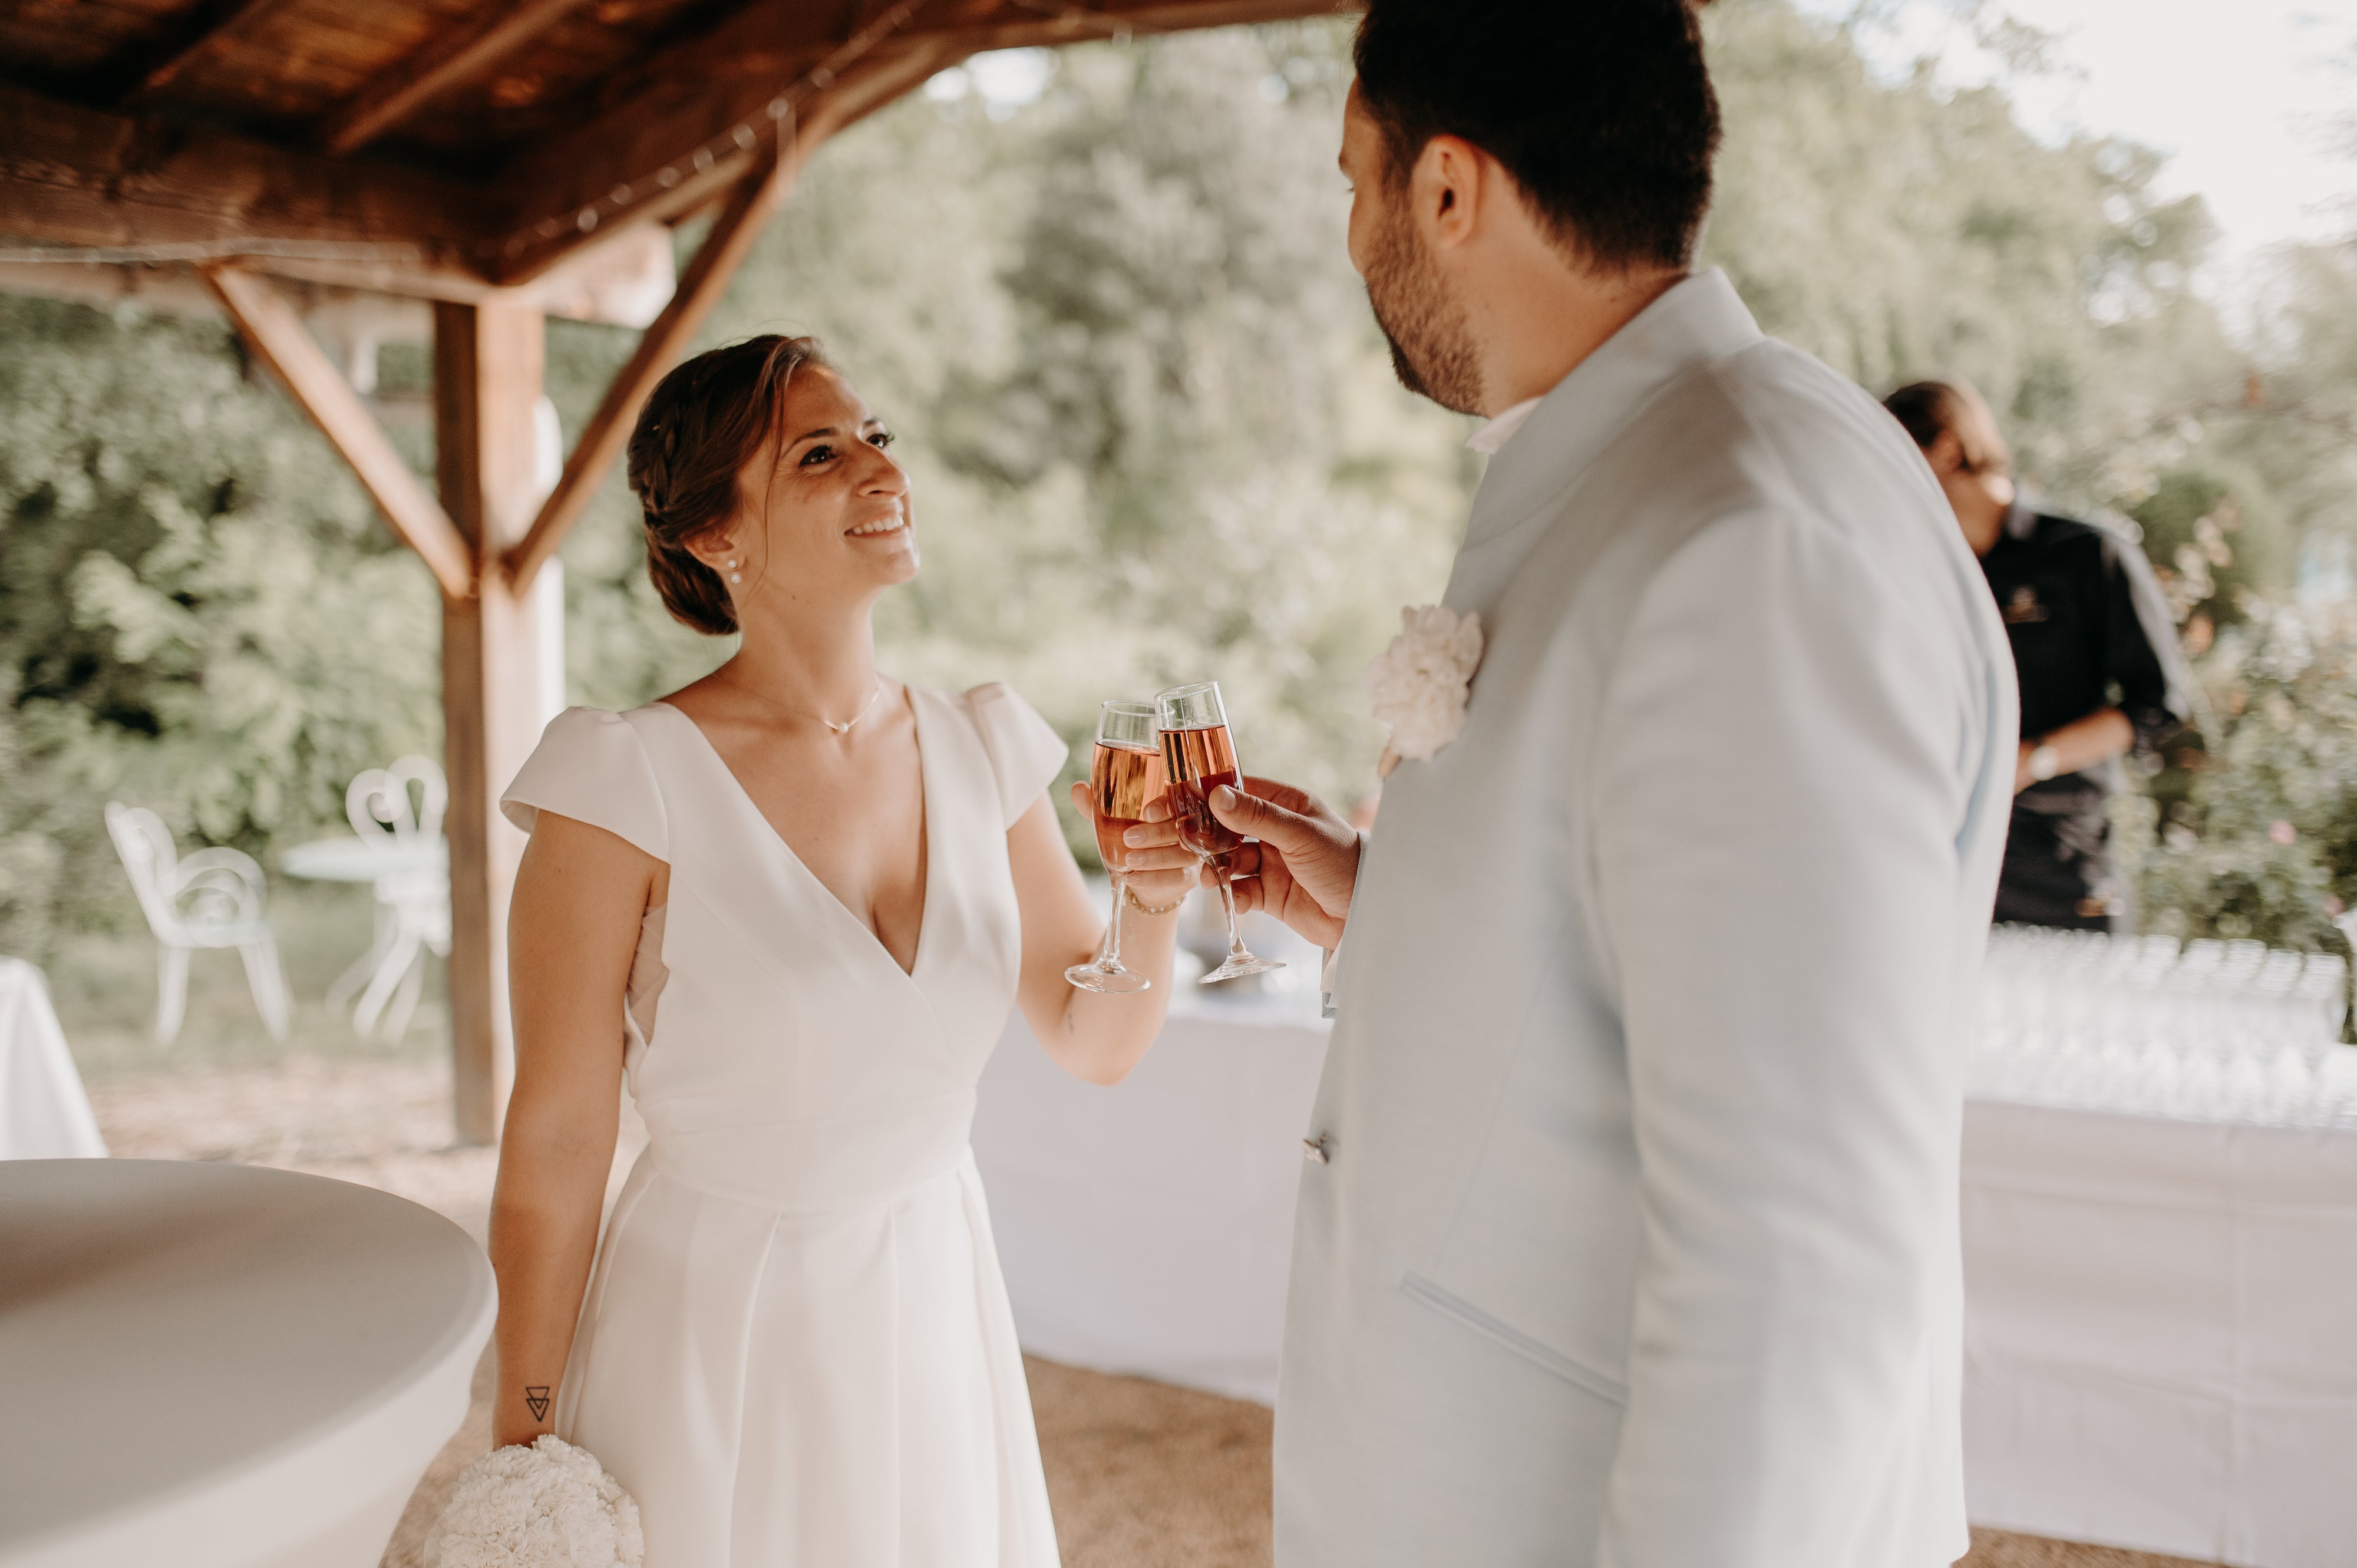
x=1448, y=187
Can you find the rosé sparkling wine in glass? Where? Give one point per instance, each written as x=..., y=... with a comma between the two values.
x=1196, y=762
x=1126, y=780
x=1198, y=756
x=1124, y=777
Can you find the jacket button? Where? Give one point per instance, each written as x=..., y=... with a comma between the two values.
x=1314, y=1150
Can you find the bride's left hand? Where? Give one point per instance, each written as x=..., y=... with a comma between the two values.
x=1159, y=876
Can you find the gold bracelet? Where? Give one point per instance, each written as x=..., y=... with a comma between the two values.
x=1131, y=894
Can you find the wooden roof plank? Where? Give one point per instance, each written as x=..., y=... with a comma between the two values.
x=668, y=137
x=206, y=31
x=50, y=47
x=268, y=323
x=76, y=176
x=455, y=57
x=724, y=248
x=692, y=94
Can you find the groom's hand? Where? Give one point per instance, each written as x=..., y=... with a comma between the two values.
x=1306, y=863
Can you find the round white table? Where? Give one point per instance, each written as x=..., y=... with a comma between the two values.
x=213, y=1365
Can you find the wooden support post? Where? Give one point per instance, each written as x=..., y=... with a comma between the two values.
x=487, y=380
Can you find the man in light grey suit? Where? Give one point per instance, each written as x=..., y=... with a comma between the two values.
x=1629, y=1233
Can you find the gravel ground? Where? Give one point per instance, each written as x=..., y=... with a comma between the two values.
x=1141, y=1475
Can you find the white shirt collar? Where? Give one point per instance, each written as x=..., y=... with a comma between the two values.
x=1501, y=430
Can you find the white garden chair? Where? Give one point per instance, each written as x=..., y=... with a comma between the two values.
x=413, y=914
x=212, y=898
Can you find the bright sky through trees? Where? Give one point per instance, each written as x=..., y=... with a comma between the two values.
x=2254, y=100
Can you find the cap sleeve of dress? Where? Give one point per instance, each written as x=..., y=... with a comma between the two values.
x=1024, y=753
x=591, y=765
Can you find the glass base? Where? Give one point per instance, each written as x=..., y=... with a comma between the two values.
x=1115, y=981
x=1238, y=967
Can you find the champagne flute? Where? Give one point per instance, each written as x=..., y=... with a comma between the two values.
x=1124, y=777
x=1197, y=757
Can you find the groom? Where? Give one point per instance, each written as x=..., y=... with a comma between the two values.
x=1629, y=1236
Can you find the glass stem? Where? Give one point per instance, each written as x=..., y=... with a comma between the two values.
x=1109, y=954
x=1236, y=948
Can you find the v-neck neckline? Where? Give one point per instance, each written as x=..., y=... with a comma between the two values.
x=925, y=830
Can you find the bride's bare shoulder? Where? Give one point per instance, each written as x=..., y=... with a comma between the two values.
x=705, y=701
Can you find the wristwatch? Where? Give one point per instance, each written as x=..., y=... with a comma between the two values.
x=2044, y=762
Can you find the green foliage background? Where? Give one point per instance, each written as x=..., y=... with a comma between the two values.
x=1153, y=435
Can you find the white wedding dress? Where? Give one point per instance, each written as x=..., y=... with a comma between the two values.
x=795, y=1350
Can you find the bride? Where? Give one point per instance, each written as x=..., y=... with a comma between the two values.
x=794, y=903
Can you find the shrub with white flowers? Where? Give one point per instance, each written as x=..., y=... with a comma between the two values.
x=2255, y=835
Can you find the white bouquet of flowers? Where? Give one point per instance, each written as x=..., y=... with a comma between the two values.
x=548, y=1506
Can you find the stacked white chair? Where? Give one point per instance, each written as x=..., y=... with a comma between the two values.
x=413, y=904
x=212, y=898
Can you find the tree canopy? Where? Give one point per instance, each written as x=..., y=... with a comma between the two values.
x=1153, y=429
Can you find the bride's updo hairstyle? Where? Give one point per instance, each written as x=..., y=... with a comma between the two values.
x=703, y=423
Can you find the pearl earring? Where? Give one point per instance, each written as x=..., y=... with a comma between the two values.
x=734, y=574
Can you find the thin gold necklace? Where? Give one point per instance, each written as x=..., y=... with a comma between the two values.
x=844, y=728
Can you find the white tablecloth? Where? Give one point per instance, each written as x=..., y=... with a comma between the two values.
x=2162, y=1316
x=213, y=1366
x=2162, y=1333
x=44, y=1114
x=1146, y=1228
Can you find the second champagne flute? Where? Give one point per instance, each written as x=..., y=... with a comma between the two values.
x=1197, y=757
x=1124, y=777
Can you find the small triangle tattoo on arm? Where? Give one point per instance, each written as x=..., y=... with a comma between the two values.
x=535, y=1400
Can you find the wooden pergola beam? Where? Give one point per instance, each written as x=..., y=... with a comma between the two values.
x=276, y=334
x=71, y=176
x=551, y=193
x=442, y=64
x=757, y=195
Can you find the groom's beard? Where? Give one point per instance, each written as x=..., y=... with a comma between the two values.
x=1432, y=348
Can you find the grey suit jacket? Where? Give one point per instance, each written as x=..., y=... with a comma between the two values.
x=1637, y=1244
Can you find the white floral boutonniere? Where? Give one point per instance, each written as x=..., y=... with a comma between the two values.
x=1421, y=681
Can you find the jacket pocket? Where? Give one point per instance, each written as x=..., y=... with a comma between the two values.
x=1547, y=1358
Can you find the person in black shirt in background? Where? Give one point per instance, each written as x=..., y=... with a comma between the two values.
x=2094, y=647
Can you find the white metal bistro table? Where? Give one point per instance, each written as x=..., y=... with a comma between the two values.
x=352, y=858
x=218, y=1366
x=411, y=876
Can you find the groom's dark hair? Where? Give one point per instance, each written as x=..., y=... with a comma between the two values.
x=1601, y=110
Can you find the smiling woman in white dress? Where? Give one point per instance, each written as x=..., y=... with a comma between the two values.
x=795, y=903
